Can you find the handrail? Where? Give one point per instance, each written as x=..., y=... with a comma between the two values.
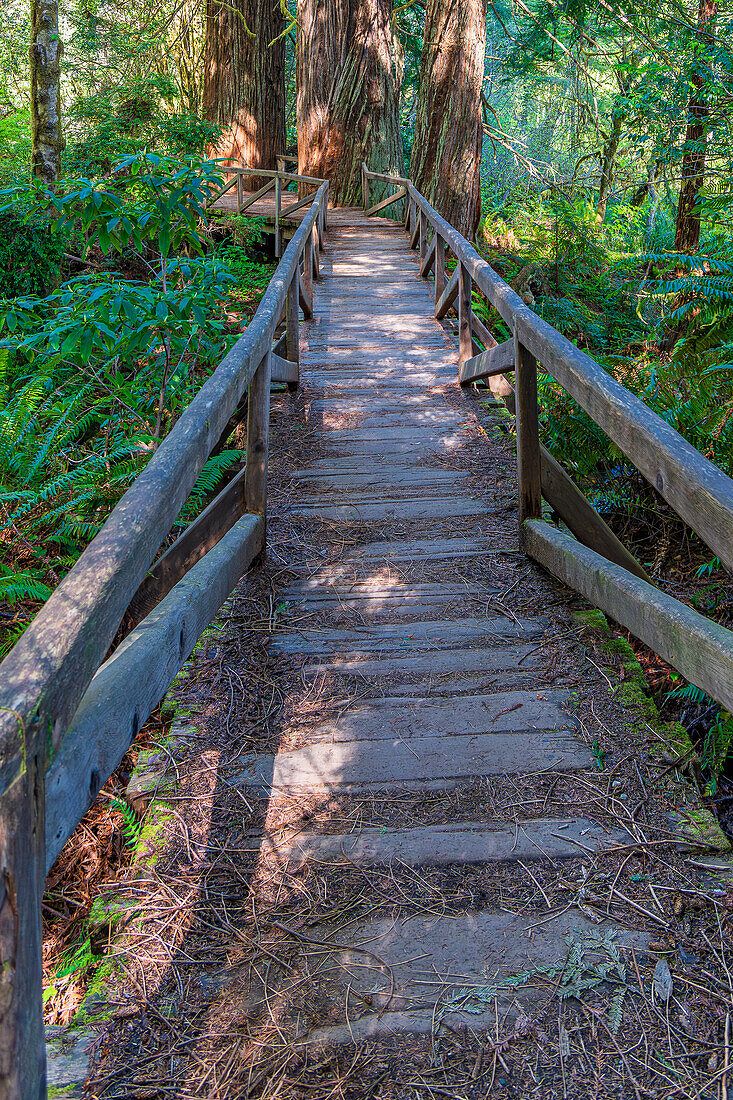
x=49, y=670
x=275, y=178
x=700, y=493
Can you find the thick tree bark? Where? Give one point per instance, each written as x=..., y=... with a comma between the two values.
x=45, y=66
x=687, y=229
x=446, y=156
x=244, y=81
x=347, y=94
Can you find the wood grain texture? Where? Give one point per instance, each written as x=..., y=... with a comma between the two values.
x=495, y=360
x=700, y=649
x=110, y=715
x=528, y=436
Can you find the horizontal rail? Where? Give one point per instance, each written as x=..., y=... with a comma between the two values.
x=110, y=715
x=700, y=648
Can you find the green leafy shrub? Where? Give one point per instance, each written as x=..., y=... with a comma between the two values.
x=31, y=251
x=132, y=116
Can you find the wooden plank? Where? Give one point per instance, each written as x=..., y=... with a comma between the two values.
x=296, y=206
x=278, y=215
x=448, y=296
x=700, y=649
x=282, y=370
x=384, y=177
x=465, y=346
x=305, y=301
x=23, y=1064
x=486, y=337
x=697, y=489
x=241, y=204
x=292, y=320
x=308, y=270
x=577, y=513
x=387, y=202
x=198, y=538
x=415, y=230
x=423, y=238
x=528, y=437
x=258, y=439
x=495, y=360
x=429, y=259
x=439, y=266
x=110, y=714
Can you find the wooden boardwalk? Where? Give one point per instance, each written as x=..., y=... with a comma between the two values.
x=405, y=795
x=430, y=642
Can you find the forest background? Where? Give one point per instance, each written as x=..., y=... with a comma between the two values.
x=588, y=146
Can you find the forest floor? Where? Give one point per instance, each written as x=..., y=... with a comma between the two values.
x=260, y=943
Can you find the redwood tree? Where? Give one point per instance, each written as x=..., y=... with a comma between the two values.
x=687, y=229
x=446, y=155
x=244, y=81
x=346, y=93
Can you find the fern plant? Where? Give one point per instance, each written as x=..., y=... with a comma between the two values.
x=131, y=827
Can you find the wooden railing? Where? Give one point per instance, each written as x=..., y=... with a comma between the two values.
x=594, y=563
x=274, y=182
x=66, y=722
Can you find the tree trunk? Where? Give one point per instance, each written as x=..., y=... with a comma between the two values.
x=45, y=67
x=608, y=164
x=347, y=94
x=244, y=81
x=687, y=229
x=446, y=155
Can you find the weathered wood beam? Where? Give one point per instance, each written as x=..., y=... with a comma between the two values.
x=283, y=370
x=448, y=296
x=305, y=301
x=495, y=360
x=287, y=211
x=486, y=337
x=528, y=437
x=415, y=229
x=700, y=649
x=387, y=202
x=429, y=259
x=110, y=714
x=579, y=515
x=242, y=205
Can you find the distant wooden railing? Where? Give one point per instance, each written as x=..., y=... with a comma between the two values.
x=598, y=565
x=66, y=722
x=275, y=181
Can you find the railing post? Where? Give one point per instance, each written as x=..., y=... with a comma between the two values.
x=278, y=206
x=528, y=434
x=465, y=345
x=258, y=439
x=408, y=213
x=23, y=870
x=292, y=325
x=439, y=266
x=365, y=187
x=314, y=252
x=308, y=266
x=423, y=236
x=240, y=196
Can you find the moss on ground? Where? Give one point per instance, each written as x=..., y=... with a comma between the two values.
x=698, y=822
